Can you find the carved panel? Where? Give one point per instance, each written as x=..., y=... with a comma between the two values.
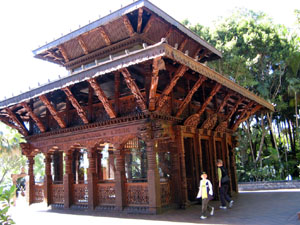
x=38, y=193
x=106, y=194
x=222, y=127
x=210, y=122
x=80, y=194
x=165, y=193
x=57, y=196
x=192, y=121
x=137, y=194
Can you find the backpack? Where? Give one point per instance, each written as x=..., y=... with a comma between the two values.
x=225, y=177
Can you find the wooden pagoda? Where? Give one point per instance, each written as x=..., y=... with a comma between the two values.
x=137, y=119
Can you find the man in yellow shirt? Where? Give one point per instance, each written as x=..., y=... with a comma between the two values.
x=223, y=180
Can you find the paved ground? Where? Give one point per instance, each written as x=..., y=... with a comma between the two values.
x=251, y=208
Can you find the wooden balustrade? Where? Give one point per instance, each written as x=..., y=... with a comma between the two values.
x=106, y=194
x=57, y=196
x=38, y=193
x=165, y=193
x=137, y=194
x=80, y=194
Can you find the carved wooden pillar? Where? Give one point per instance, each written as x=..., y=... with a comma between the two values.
x=227, y=162
x=180, y=145
x=213, y=163
x=111, y=164
x=31, y=182
x=48, y=179
x=99, y=166
x=92, y=179
x=120, y=179
x=176, y=178
x=153, y=178
x=68, y=181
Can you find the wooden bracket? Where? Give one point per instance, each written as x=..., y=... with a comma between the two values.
x=158, y=64
x=183, y=44
x=53, y=112
x=208, y=100
x=164, y=96
x=128, y=25
x=228, y=95
x=102, y=97
x=149, y=24
x=80, y=111
x=134, y=89
x=63, y=53
x=140, y=21
x=82, y=45
x=34, y=117
x=235, y=108
x=189, y=96
x=15, y=119
x=104, y=35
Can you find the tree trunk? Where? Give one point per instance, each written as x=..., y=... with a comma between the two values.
x=291, y=137
x=258, y=158
x=250, y=142
x=271, y=129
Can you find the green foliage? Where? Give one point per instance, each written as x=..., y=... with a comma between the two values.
x=6, y=197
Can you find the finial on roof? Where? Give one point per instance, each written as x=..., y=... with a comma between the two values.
x=79, y=26
x=21, y=91
x=126, y=51
x=110, y=11
x=48, y=80
x=144, y=45
x=29, y=88
x=5, y=97
x=186, y=52
x=12, y=94
x=110, y=57
x=39, y=84
x=121, y=6
x=164, y=40
x=197, y=58
x=59, y=76
x=62, y=34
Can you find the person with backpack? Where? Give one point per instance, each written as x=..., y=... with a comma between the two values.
x=223, y=181
x=206, y=193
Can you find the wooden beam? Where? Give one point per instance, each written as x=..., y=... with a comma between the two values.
x=6, y=121
x=63, y=53
x=183, y=44
x=158, y=64
x=15, y=119
x=149, y=24
x=168, y=33
x=117, y=92
x=189, y=96
x=235, y=107
x=245, y=115
x=54, y=55
x=34, y=117
x=128, y=25
x=82, y=45
x=140, y=20
x=164, y=96
x=104, y=35
x=134, y=89
x=208, y=100
x=102, y=97
x=227, y=97
x=53, y=112
x=80, y=111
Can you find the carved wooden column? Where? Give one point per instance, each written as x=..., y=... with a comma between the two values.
x=31, y=182
x=225, y=148
x=176, y=178
x=120, y=179
x=153, y=178
x=111, y=164
x=68, y=180
x=92, y=179
x=213, y=163
x=48, y=179
x=180, y=145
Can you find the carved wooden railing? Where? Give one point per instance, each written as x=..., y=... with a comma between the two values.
x=80, y=194
x=165, y=193
x=38, y=193
x=57, y=196
x=106, y=194
x=137, y=194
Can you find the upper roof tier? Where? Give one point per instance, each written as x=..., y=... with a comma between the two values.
x=139, y=22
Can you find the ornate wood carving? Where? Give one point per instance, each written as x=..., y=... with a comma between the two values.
x=208, y=100
x=140, y=20
x=210, y=122
x=222, y=127
x=80, y=194
x=34, y=117
x=158, y=64
x=134, y=89
x=149, y=24
x=165, y=193
x=38, y=193
x=137, y=193
x=192, y=121
x=183, y=44
x=63, y=53
x=128, y=25
x=82, y=45
x=104, y=36
x=80, y=111
x=106, y=194
x=164, y=96
x=102, y=97
x=53, y=112
x=26, y=149
x=16, y=120
x=246, y=114
x=190, y=95
x=57, y=196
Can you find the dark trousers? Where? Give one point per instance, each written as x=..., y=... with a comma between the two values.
x=205, y=205
x=224, y=194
